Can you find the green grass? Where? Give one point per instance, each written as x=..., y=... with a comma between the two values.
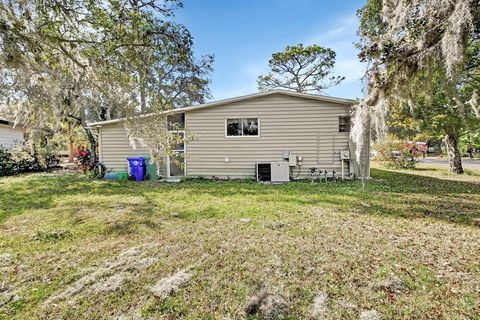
x=299, y=239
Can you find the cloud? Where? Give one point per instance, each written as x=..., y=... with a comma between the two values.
x=339, y=34
x=336, y=30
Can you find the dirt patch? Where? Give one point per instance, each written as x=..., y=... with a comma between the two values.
x=347, y=305
x=370, y=315
x=267, y=306
x=112, y=283
x=448, y=272
x=276, y=225
x=8, y=293
x=107, y=277
x=168, y=286
x=7, y=296
x=392, y=285
x=319, y=306
x=6, y=260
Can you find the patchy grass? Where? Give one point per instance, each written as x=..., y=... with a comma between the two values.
x=75, y=248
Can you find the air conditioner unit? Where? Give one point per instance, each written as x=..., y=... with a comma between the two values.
x=273, y=171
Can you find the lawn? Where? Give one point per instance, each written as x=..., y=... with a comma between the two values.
x=406, y=245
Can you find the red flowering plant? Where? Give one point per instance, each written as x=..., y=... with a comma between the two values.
x=397, y=153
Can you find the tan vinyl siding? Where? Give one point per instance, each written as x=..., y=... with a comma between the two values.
x=115, y=148
x=9, y=135
x=308, y=128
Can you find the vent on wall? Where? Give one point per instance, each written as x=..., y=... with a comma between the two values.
x=264, y=172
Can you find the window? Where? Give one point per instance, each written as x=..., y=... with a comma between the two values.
x=177, y=140
x=176, y=121
x=344, y=124
x=176, y=136
x=234, y=127
x=176, y=161
x=242, y=127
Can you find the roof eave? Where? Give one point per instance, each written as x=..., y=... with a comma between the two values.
x=346, y=102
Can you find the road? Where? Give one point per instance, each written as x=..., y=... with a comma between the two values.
x=466, y=162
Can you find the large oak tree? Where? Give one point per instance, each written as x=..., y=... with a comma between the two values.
x=66, y=63
x=407, y=45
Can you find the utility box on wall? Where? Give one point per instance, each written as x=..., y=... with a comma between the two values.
x=345, y=155
x=292, y=160
x=280, y=171
x=273, y=171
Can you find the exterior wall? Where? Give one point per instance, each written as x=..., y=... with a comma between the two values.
x=306, y=127
x=9, y=136
x=114, y=148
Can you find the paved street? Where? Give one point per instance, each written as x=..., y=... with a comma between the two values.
x=467, y=163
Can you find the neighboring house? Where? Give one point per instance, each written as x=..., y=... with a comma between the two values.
x=10, y=134
x=233, y=135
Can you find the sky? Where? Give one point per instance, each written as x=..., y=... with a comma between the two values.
x=243, y=34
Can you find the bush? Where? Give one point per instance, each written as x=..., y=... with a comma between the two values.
x=20, y=158
x=396, y=153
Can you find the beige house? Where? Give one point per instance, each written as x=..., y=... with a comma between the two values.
x=285, y=132
x=10, y=134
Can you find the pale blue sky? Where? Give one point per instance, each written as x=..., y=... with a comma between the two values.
x=242, y=34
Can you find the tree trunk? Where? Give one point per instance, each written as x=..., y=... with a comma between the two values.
x=453, y=151
x=143, y=102
x=93, y=143
x=90, y=137
x=71, y=150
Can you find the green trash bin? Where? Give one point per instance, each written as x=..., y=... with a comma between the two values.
x=151, y=169
x=122, y=175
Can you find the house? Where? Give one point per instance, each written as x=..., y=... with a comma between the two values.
x=233, y=135
x=10, y=134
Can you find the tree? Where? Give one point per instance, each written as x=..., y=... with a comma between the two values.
x=299, y=68
x=436, y=116
x=73, y=62
x=408, y=44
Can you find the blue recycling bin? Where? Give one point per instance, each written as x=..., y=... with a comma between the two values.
x=137, y=167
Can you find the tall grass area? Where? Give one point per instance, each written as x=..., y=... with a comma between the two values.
x=237, y=238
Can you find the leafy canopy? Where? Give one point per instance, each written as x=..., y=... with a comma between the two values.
x=299, y=68
x=86, y=60
x=414, y=50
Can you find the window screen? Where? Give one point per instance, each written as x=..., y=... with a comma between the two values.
x=344, y=124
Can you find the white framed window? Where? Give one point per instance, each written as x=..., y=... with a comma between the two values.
x=242, y=127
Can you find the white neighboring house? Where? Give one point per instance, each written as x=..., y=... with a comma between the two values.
x=10, y=134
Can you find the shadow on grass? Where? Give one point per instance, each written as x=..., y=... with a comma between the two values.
x=389, y=193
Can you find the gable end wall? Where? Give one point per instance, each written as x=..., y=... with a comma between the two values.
x=308, y=128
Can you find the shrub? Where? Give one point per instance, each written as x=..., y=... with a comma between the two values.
x=20, y=159
x=396, y=153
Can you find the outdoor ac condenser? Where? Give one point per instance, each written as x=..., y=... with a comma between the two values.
x=273, y=171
